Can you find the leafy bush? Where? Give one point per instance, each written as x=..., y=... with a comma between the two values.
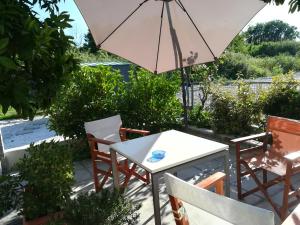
x=48, y=176
x=200, y=117
x=283, y=97
x=287, y=63
x=150, y=101
x=235, y=113
x=275, y=48
x=90, y=94
x=109, y=208
x=85, y=56
x=9, y=193
x=79, y=147
x=237, y=65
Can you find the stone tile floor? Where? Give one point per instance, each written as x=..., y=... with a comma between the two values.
x=141, y=193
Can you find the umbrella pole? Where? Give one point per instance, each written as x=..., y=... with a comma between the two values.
x=184, y=98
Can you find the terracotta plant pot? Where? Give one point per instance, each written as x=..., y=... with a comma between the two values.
x=42, y=220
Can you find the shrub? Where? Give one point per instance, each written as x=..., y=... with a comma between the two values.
x=275, y=48
x=9, y=193
x=200, y=117
x=235, y=113
x=91, y=93
x=48, y=176
x=283, y=97
x=150, y=101
x=109, y=208
x=287, y=63
x=237, y=65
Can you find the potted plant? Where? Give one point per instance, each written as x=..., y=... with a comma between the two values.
x=47, y=176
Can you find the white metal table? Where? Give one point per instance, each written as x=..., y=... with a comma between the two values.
x=182, y=150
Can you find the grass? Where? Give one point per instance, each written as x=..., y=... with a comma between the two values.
x=10, y=114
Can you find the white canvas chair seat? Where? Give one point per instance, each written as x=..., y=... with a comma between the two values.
x=106, y=129
x=216, y=208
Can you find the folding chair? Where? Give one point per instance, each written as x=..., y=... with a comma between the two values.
x=278, y=153
x=102, y=133
x=214, y=208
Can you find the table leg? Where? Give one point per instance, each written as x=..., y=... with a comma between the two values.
x=155, y=195
x=226, y=169
x=116, y=177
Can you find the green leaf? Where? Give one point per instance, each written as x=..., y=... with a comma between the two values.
x=4, y=108
x=7, y=62
x=3, y=43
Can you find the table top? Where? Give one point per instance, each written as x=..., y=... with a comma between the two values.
x=179, y=148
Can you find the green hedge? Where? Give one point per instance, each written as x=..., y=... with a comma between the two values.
x=147, y=101
x=237, y=65
x=150, y=101
x=271, y=49
x=200, y=117
x=282, y=98
x=90, y=94
x=235, y=113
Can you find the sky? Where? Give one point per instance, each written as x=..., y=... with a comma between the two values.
x=270, y=12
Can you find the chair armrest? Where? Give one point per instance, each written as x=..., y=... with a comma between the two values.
x=215, y=180
x=134, y=131
x=293, y=218
x=250, y=137
x=293, y=156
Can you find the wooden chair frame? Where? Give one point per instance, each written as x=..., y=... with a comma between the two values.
x=99, y=156
x=216, y=180
x=241, y=161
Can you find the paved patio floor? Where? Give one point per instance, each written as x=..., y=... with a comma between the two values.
x=141, y=193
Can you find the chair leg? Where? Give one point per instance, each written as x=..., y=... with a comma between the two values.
x=96, y=178
x=293, y=189
x=147, y=177
x=287, y=185
x=261, y=188
x=129, y=173
x=265, y=177
x=238, y=171
x=178, y=211
x=105, y=178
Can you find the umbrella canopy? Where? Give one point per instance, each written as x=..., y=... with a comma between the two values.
x=163, y=35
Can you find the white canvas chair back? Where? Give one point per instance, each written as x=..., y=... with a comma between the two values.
x=107, y=129
x=218, y=208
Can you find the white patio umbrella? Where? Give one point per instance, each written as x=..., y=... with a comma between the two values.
x=164, y=35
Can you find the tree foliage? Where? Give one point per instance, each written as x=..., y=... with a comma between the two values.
x=89, y=44
x=33, y=54
x=275, y=30
x=294, y=4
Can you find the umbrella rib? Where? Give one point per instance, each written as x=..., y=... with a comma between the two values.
x=183, y=8
x=136, y=9
x=160, y=29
